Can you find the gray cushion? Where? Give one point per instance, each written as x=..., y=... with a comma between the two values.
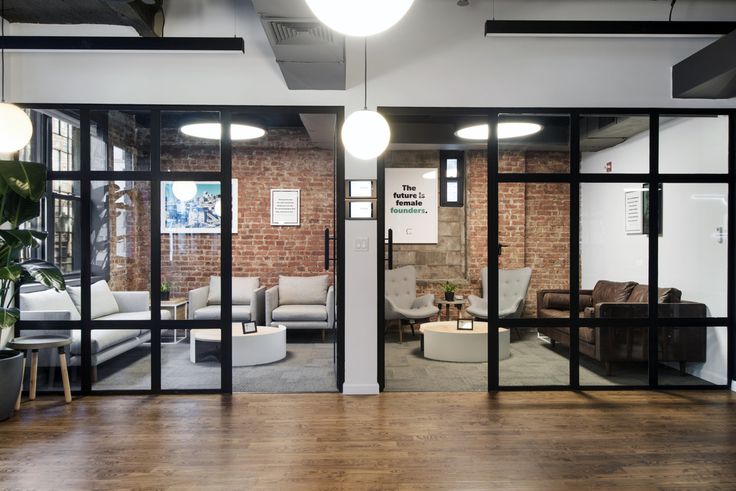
x=103, y=339
x=243, y=288
x=212, y=312
x=134, y=316
x=300, y=313
x=303, y=290
x=49, y=300
x=103, y=301
x=401, y=286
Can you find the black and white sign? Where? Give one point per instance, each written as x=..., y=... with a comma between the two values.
x=285, y=207
x=411, y=205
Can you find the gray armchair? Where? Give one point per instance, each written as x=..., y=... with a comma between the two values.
x=301, y=302
x=248, y=300
x=401, y=301
x=513, y=285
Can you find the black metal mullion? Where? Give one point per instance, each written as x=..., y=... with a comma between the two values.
x=340, y=248
x=155, y=231
x=86, y=239
x=574, y=251
x=653, y=276
x=731, y=252
x=226, y=256
x=492, y=253
x=381, y=271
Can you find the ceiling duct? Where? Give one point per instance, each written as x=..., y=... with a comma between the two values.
x=708, y=74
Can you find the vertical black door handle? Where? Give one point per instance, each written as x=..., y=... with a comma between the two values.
x=390, y=249
x=327, y=249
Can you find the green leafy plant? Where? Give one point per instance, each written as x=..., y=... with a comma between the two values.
x=165, y=286
x=448, y=287
x=22, y=185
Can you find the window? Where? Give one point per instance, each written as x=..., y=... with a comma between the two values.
x=452, y=174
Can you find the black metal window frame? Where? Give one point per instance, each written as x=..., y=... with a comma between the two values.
x=653, y=178
x=85, y=175
x=459, y=180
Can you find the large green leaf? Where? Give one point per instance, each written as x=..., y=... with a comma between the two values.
x=9, y=316
x=18, y=210
x=27, y=179
x=22, y=238
x=43, y=272
x=11, y=273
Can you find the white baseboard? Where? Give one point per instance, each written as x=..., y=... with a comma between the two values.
x=360, y=389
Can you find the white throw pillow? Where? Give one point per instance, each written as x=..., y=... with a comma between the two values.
x=49, y=300
x=243, y=287
x=303, y=290
x=213, y=297
x=103, y=301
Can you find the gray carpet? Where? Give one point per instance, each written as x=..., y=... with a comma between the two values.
x=533, y=361
x=307, y=367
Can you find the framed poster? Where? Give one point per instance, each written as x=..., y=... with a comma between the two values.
x=411, y=205
x=194, y=207
x=634, y=211
x=285, y=207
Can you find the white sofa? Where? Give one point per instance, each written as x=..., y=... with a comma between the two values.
x=248, y=300
x=50, y=305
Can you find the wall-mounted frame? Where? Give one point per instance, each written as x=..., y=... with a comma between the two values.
x=360, y=199
x=360, y=209
x=285, y=206
x=360, y=188
x=202, y=214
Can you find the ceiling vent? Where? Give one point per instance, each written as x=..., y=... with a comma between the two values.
x=288, y=32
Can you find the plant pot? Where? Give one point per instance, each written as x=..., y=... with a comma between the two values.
x=449, y=296
x=165, y=295
x=11, y=370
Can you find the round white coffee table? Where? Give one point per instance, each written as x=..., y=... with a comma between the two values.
x=444, y=342
x=267, y=345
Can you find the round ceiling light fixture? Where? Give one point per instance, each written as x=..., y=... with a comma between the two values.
x=505, y=130
x=15, y=128
x=359, y=17
x=365, y=134
x=213, y=131
x=184, y=190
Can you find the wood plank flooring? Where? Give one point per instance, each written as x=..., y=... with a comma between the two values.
x=526, y=441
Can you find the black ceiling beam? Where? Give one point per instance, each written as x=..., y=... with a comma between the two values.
x=708, y=74
x=147, y=20
x=605, y=28
x=74, y=43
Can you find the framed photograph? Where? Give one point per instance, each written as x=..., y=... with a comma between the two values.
x=194, y=207
x=249, y=327
x=465, y=324
x=285, y=207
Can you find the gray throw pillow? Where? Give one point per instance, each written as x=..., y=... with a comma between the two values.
x=303, y=290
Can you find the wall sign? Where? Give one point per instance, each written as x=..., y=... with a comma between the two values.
x=634, y=212
x=411, y=205
x=285, y=207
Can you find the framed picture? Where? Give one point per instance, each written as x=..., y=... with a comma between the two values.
x=194, y=207
x=249, y=327
x=465, y=324
x=285, y=207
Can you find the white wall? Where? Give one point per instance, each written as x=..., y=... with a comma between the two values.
x=690, y=255
x=436, y=56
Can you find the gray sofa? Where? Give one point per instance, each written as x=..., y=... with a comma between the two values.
x=248, y=300
x=50, y=305
x=301, y=302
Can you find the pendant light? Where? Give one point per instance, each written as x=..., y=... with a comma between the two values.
x=213, y=131
x=365, y=133
x=184, y=190
x=503, y=130
x=359, y=17
x=15, y=125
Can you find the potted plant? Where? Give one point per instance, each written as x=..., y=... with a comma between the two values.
x=449, y=289
x=165, y=290
x=22, y=185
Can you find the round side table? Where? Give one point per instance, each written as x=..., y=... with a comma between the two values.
x=35, y=343
x=458, y=303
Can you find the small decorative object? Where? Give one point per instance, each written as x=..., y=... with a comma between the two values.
x=165, y=290
x=465, y=324
x=449, y=289
x=249, y=327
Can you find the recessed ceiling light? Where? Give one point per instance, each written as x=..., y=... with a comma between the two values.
x=213, y=131
x=505, y=130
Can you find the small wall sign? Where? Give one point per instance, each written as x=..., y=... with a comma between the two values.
x=285, y=207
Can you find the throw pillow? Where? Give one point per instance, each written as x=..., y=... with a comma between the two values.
x=49, y=300
x=303, y=290
x=243, y=288
x=103, y=301
x=213, y=297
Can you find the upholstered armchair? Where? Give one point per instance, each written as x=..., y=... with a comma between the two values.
x=301, y=302
x=402, y=303
x=248, y=300
x=513, y=285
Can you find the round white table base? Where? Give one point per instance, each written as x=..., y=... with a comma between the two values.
x=444, y=342
x=265, y=346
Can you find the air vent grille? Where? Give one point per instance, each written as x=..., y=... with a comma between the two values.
x=296, y=32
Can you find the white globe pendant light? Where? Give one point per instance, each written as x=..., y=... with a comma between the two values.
x=184, y=190
x=359, y=17
x=15, y=128
x=15, y=125
x=365, y=134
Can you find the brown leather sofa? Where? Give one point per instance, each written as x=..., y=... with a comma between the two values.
x=628, y=300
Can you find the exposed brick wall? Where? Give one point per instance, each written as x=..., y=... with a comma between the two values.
x=533, y=224
x=285, y=159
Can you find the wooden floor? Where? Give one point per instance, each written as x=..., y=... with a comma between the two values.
x=549, y=441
